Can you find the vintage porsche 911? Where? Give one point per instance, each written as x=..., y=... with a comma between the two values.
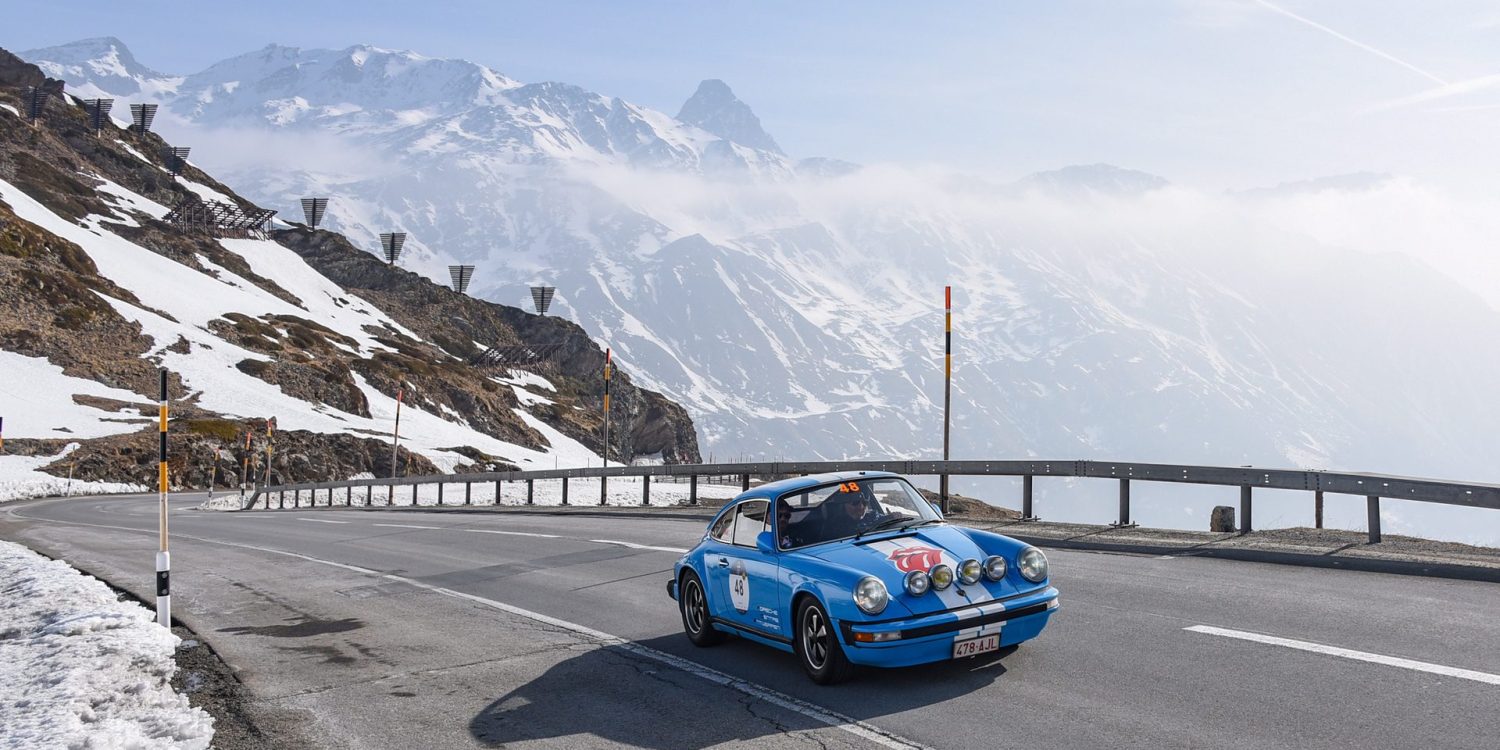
x=858, y=568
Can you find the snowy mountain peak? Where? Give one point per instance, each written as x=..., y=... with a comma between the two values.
x=715, y=109
x=104, y=61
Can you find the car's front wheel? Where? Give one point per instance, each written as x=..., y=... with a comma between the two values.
x=694, y=607
x=817, y=645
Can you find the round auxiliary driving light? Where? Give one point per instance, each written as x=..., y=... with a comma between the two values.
x=994, y=567
x=870, y=595
x=917, y=582
x=969, y=572
x=1033, y=565
x=942, y=576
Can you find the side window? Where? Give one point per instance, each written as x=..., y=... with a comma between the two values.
x=750, y=521
x=721, y=527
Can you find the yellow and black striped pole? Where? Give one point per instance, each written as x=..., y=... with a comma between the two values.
x=947, y=382
x=604, y=481
x=163, y=557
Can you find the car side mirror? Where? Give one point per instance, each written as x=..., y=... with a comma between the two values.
x=766, y=542
x=936, y=508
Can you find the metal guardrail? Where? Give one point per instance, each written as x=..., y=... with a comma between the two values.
x=1372, y=486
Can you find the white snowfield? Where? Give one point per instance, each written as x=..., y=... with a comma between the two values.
x=194, y=299
x=81, y=669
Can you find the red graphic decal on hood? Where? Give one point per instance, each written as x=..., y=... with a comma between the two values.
x=908, y=559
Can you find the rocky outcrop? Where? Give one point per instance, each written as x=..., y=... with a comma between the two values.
x=296, y=456
x=643, y=423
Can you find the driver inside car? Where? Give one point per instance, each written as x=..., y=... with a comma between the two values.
x=847, y=514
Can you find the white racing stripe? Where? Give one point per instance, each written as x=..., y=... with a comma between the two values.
x=812, y=711
x=1318, y=648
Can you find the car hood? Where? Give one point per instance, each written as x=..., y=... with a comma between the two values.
x=890, y=558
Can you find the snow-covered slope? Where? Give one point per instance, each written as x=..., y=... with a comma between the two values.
x=795, y=306
x=178, y=304
x=98, y=291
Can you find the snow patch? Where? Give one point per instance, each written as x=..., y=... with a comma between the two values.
x=82, y=669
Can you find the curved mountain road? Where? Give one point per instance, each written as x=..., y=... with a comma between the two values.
x=435, y=629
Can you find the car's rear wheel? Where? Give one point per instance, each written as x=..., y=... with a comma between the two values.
x=694, y=607
x=817, y=645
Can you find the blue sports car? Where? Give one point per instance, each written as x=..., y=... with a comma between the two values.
x=858, y=568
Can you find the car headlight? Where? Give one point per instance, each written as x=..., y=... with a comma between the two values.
x=1033, y=565
x=917, y=582
x=941, y=575
x=870, y=595
x=969, y=572
x=994, y=567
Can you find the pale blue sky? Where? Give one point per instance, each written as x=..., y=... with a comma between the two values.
x=1216, y=93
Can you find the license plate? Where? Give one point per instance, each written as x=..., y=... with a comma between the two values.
x=976, y=646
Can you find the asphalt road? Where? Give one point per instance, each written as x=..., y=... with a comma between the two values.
x=433, y=629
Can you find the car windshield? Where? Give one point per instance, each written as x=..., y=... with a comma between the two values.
x=845, y=509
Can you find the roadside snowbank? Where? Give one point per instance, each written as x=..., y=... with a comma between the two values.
x=80, y=669
x=22, y=479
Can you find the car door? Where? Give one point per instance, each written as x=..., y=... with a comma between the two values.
x=746, y=578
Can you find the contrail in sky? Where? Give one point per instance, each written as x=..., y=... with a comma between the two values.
x=1320, y=27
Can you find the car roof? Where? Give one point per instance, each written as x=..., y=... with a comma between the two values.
x=794, y=484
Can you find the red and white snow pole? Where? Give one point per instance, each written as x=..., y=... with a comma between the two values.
x=213, y=473
x=270, y=433
x=245, y=464
x=390, y=499
x=163, y=557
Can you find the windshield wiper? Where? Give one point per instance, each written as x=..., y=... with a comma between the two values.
x=893, y=520
x=922, y=522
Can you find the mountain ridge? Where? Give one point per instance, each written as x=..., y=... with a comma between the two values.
x=796, y=311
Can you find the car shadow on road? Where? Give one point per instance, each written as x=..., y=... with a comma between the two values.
x=614, y=694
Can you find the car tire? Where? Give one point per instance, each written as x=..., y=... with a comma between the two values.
x=816, y=643
x=692, y=602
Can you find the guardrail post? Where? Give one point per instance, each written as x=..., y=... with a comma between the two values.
x=1027, y=511
x=330, y=497
x=497, y=492
x=369, y=494
x=1372, y=513
x=530, y=487
x=603, y=490
x=1124, y=521
x=349, y=496
x=1245, y=522
x=645, y=489
x=440, y=493
x=414, y=495
x=1318, y=509
x=693, y=489
x=565, y=491
x=296, y=499
x=745, y=483
x=466, y=492
x=280, y=500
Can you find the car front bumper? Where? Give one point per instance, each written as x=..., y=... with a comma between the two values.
x=930, y=638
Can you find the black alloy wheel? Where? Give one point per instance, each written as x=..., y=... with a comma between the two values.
x=694, y=607
x=817, y=645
